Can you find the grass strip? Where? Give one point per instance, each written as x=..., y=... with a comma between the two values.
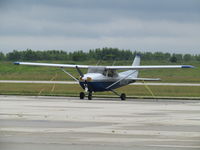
x=73, y=90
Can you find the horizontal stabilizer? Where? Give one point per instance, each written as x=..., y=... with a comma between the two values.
x=146, y=79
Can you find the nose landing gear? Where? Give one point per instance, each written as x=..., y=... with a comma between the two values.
x=82, y=95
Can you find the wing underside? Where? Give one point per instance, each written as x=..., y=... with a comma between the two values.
x=106, y=67
x=52, y=65
x=148, y=67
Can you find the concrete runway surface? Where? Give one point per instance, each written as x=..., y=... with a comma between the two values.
x=66, y=123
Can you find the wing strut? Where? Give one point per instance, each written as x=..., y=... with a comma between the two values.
x=69, y=74
x=120, y=79
x=115, y=92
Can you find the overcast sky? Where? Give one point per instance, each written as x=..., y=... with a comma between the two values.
x=144, y=25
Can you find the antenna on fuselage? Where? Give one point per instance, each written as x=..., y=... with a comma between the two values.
x=113, y=62
x=98, y=62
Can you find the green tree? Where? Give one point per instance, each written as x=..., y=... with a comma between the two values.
x=96, y=54
x=187, y=57
x=12, y=56
x=2, y=56
x=173, y=59
x=197, y=57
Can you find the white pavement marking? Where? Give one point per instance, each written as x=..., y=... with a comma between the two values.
x=73, y=82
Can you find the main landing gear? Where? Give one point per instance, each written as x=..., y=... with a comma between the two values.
x=82, y=95
x=90, y=96
x=122, y=96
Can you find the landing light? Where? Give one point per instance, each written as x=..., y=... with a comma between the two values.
x=89, y=79
x=85, y=79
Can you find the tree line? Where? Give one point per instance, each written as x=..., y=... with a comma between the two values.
x=95, y=54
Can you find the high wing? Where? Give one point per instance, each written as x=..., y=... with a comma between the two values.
x=148, y=67
x=106, y=67
x=51, y=65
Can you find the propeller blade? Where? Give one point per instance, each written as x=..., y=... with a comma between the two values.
x=79, y=71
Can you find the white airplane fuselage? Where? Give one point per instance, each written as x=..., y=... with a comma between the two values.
x=96, y=82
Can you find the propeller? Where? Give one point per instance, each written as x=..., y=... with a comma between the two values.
x=79, y=71
x=82, y=75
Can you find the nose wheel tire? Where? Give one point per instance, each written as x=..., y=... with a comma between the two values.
x=82, y=95
x=89, y=96
x=123, y=96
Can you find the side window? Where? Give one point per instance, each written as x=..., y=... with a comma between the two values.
x=110, y=73
x=105, y=72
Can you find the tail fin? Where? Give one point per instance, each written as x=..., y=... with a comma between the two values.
x=136, y=61
x=134, y=73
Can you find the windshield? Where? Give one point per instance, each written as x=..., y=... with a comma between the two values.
x=102, y=70
x=96, y=70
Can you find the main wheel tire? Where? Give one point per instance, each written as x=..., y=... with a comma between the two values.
x=89, y=96
x=123, y=96
x=82, y=95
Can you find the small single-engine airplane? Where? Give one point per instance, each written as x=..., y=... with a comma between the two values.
x=106, y=78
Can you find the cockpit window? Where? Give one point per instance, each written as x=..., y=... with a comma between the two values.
x=103, y=71
x=96, y=70
x=111, y=73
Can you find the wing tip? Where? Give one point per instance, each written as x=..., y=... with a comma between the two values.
x=187, y=66
x=16, y=63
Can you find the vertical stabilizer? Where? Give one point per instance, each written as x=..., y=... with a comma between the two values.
x=133, y=73
x=136, y=61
